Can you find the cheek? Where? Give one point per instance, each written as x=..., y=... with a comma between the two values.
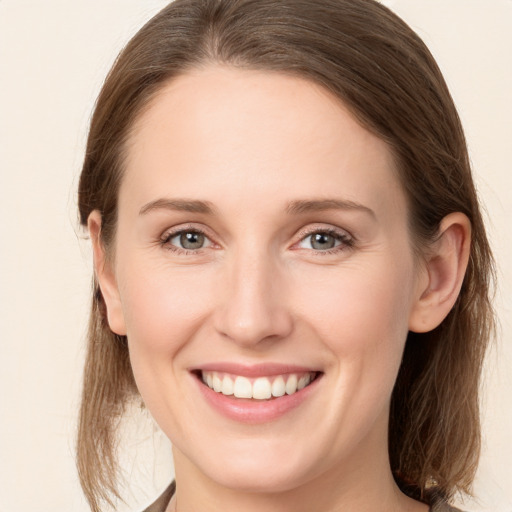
x=163, y=309
x=359, y=308
x=361, y=316
x=163, y=312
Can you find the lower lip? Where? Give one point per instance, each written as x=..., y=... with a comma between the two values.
x=252, y=411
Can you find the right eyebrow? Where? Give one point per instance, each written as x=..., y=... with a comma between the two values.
x=183, y=205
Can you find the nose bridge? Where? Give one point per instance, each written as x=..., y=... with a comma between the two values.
x=254, y=307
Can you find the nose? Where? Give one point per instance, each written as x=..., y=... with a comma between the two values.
x=253, y=308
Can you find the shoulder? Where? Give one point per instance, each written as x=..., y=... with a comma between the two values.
x=163, y=500
x=439, y=504
x=442, y=506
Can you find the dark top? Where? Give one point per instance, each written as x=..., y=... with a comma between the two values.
x=161, y=503
x=436, y=504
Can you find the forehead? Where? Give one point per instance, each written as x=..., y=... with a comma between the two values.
x=219, y=130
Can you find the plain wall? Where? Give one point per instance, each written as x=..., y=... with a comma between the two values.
x=53, y=58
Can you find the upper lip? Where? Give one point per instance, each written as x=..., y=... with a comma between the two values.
x=253, y=370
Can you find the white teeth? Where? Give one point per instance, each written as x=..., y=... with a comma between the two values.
x=243, y=388
x=291, y=384
x=278, y=387
x=262, y=388
x=217, y=383
x=303, y=382
x=227, y=386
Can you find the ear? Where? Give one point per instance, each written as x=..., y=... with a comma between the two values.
x=105, y=276
x=445, y=267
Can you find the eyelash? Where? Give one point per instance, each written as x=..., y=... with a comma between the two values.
x=346, y=241
x=169, y=235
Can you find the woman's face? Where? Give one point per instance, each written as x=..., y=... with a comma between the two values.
x=262, y=243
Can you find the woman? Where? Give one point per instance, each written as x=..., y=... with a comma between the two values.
x=291, y=267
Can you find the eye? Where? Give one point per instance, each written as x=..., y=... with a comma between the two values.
x=186, y=240
x=326, y=240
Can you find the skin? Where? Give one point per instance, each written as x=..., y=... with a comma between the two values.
x=250, y=143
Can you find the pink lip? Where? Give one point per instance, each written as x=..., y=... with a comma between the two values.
x=253, y=370
x=254, y=411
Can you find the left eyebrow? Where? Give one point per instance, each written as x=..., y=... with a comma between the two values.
x=183, y=205
x=318, y=205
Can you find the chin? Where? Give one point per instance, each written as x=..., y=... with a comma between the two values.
x=259, y=470
x=263, y=480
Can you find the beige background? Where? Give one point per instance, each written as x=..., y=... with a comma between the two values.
x=53, y=57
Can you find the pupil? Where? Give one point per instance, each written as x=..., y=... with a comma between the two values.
x=323, y=241
x=192, y=240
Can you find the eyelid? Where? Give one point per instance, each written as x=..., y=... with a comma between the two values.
x=318, y=228
x=170, y=233
x=346, y=239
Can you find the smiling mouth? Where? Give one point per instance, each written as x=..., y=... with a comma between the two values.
x=261, y=388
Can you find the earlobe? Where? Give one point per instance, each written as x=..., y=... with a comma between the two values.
x=105, y=276
x=445, y=268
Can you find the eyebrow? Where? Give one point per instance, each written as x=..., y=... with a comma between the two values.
x=320, y=205
x=182, y=205
x=293, y=207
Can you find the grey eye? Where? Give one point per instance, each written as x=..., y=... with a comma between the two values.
x=322, y=241
x=187, y=240
x=191, y=240
x=326, y=240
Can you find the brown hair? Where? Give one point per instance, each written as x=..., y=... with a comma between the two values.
x=381, y=70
